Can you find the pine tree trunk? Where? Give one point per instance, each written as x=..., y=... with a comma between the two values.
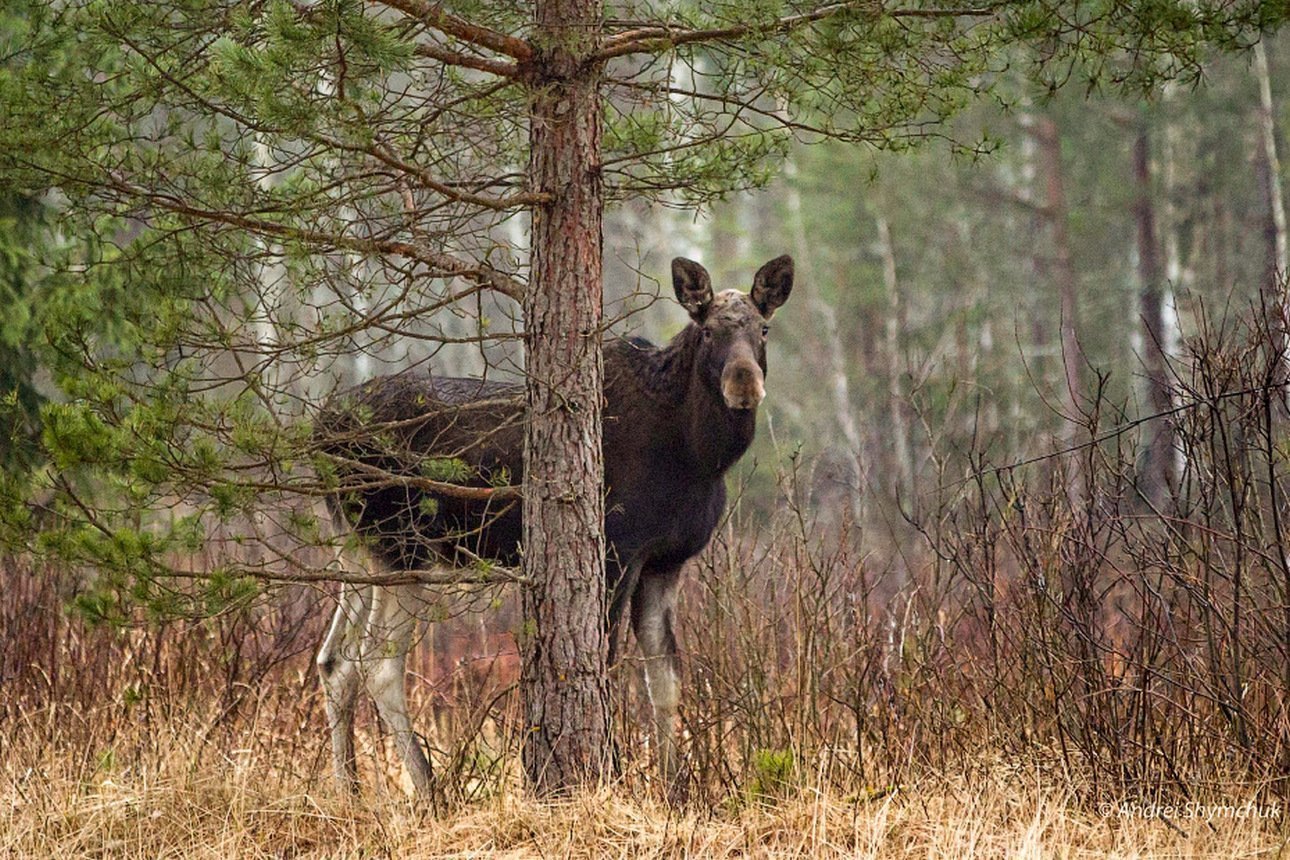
x=566, y=694
x=1157, y=478
x=1049, y=144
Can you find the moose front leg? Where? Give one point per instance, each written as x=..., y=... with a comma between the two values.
x=386, y=641
x=342, y=678
x=653, y=614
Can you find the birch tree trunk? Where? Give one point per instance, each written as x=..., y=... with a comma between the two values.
x=566, y=694
x=896, y=396
x=1268, y=144
x=1180, y=274
x=832, y=355
x=1268, y=166
x=1157, y=477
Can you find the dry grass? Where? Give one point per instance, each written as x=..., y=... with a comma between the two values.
x=160, y=792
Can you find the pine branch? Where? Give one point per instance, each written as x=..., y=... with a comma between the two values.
x=656, y=39
x=382, y=153
x=433, y=15
x=453, y=58
x=445, y=265
x=434, y=52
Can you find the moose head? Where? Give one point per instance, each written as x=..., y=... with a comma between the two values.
x=734, y=326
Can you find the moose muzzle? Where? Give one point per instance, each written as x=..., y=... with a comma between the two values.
x=742, y=384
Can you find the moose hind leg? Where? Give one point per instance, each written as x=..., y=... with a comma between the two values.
x=342, y=677
x=390, y=626
x=621, y=580
x=653, y=611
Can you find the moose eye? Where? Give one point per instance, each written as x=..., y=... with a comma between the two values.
x=707, y=334
x=765, y=330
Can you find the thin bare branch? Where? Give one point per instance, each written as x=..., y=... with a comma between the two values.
x=382, y=153
x=453, y=58
x=490, y=575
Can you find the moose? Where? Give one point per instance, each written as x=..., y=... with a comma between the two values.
x=676, y=418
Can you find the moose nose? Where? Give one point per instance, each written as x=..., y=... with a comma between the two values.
x=742, y=385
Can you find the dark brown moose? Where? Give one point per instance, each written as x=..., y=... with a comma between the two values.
x=675, y=419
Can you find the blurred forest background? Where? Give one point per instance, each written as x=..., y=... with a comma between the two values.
x=1018, y=491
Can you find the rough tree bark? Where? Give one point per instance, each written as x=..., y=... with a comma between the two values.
x=1157, y=478
x=566, y=691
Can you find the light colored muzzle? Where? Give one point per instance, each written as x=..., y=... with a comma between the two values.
x=742, y=384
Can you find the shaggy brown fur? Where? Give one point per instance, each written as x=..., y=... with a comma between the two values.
x=675, y=419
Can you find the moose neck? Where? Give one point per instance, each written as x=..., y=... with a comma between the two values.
x=715, y=436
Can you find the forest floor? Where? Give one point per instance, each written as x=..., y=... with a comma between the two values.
x=180, y=797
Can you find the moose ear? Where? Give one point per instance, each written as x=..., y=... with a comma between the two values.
x=772, y=284
x=693, y=287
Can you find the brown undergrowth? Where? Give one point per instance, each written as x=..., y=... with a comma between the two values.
x=158, y=741
x=1028, y=659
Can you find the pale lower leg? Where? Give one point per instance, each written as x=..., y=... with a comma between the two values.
x=341, y=678
x=652, y=612
x=664, y=693
x=389, y=636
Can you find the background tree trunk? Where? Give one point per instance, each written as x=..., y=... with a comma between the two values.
x=1271, y=168
x=1156, y=478
x=1267, y=165
x=566, y=693
x=830, y=355
x=1049, y=143
x=903, y=479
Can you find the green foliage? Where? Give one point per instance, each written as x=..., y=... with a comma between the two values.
x=20, y=242
x=448, y=470
x=773, y=774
